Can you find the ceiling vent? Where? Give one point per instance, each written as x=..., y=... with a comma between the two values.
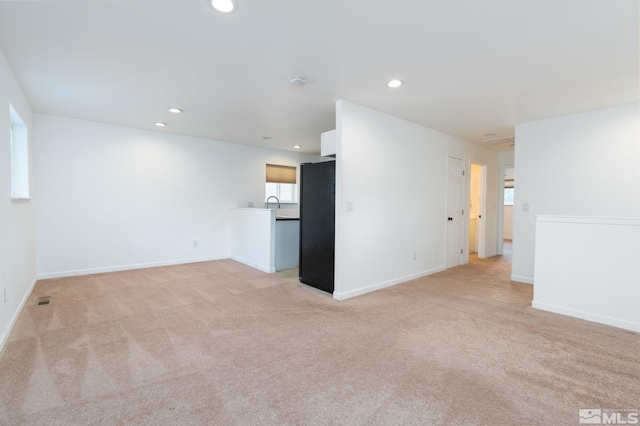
x=508, y=141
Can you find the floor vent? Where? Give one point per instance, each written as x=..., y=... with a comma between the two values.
x=43, y=300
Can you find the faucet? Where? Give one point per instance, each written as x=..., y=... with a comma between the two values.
x=277, y=201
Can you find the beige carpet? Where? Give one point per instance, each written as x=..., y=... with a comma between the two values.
x=220, y=343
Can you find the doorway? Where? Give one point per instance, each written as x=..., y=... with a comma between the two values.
x=507, y=208
x=505, y=212
x=477, y=190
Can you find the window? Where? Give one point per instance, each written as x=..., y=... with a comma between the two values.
x=508, y=196
x=281, y=183
x=508, y=192
x=18, y=139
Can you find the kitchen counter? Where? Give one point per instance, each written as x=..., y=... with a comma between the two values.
x=287, y=218
x=264, y=240
x=253, y=237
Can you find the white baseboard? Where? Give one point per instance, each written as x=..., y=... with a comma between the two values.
x=521, y=279
x=267, y=269
x=615, y=322
x=493, y=253
x=16, y=314
x=379, y=286
x=73, y=273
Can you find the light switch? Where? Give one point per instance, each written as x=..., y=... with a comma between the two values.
x=349, y=206
x=525, y=207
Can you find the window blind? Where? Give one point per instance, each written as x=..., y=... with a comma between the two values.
x=281, y=174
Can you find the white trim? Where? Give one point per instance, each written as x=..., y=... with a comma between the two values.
x=589, y=220
x=16, y=314
x=267, y=269
x=62, y=274
x=521, y=279
x=379, y=286
x=627, y=325
x=493, y=253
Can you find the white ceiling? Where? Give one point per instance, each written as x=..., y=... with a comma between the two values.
x=471, y=67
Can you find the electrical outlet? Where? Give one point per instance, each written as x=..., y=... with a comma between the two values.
x=195, y=243
x=414, y=255
x=250, y=203
x=349, y=206
x=4, y=295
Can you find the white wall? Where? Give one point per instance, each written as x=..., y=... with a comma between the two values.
x=507, y=226
x=579, y=165
x=112, y=197
x=394, y=172
x=506, y=158
x=588, y=268
x=17, y=240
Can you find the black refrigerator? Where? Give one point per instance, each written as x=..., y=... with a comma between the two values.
x=317, y=224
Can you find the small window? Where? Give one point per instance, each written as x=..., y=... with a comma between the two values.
x=281, y=183
x=508, y=187
x=18, y=139
x=508, y=196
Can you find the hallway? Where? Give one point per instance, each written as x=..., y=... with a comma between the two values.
x=487, y=278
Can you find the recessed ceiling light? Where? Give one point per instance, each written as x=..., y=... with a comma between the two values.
x=267, y=138
x=297, y=146
x=395, y=83
x=175, y=110
x=160, y=124
x=224, y=6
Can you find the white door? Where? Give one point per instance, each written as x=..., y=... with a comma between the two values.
x=455, y=214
